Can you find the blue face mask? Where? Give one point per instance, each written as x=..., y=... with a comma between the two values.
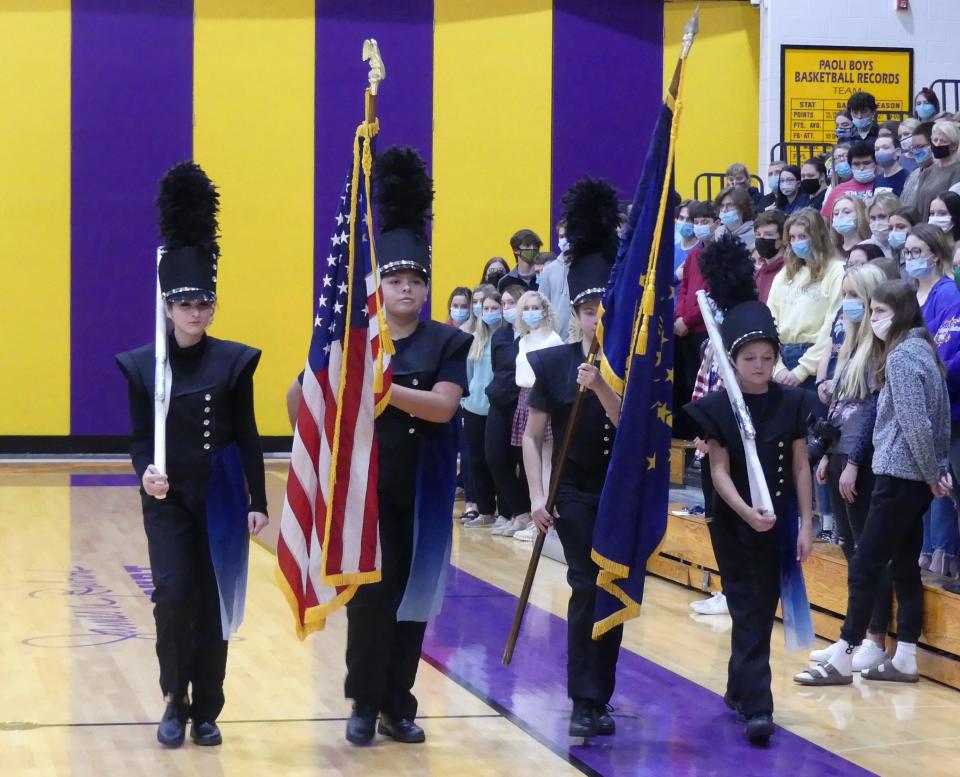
x=801, y=248
x=532, y=318
x=510, y=315
x=844, y=170
x=917, y=268
x=702, y=231
x=864, y=176
x=844, y=134
x=921, y=155
x=844, y=224
x=925, y=111
x=853, y=310
x=730, y=218
x=684, y=229
x=477, y=310
x=773, y=183
x=862, y=123
x=459, y=315
x=886, y=158
x=897, y=239
x=492, y=319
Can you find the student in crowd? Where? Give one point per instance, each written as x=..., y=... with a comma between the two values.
x=553, y=286
x=789, y=195
x=862, y=109
x=926, y=105
x=525, y=244
x=814, y=181
x=902, y=220
x=459, y=306
x=495, y=269
x=905, y=135
x=476, y=406
x=864, y=253
x=738, y=177
x=941, y=172
x=476, y=307
x=879, y=210
x=503, y=459
x=911, y=444
x=849, y=225
x=847, y=463
x=945, y=214
x=892, y=175
x=843, y=127
x=804, y=298
x=773, y=185
x=684, y=239
x=840, y=170
x=768, y=243
x=509, y=303
x=735, y=209
x=863, y=165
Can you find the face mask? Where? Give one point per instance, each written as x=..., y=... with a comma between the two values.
x=844, y=224
x=493, y=278
x=801, y=248
x=529, y=254
x=532, y=318
x=886, y=158
x=940, y=152
x=906, y=143
x=879, y=229
x=477, y=310
x=844, y=134
x=881, y=327
x=853, y=310
x=684, y=229
x=897, y=239
x=864, y=176
x=810, y=186
x=788, y=188
x=459, y=315
x=844, y=170
x=563, y=244
x=702, y=231
x=925, y=111
x=510, y=316
x=921, y=155
x=730, y=218
x=862, y=123
x=773, y=183
x=918, y=268
x=492, y=319
x=944, y=222
x=766, y=247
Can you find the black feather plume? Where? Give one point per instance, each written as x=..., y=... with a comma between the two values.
x=592, y=215
x=188, y=204
x=728, y=271
x=403, y=190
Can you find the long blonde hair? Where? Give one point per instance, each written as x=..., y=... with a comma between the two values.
x=483, y=332
x=822, y=250
x=548, y=318
x=470, y=325
x=860, y=348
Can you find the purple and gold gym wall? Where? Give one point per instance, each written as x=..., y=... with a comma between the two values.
x=509, y=101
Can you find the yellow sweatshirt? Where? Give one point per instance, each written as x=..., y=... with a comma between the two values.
x=804, y=312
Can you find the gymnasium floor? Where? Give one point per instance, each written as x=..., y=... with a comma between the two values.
x=80, y=697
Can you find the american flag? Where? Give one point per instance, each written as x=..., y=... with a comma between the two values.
x=329, y=540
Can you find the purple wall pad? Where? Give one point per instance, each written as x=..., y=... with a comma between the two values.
x=132, y=119
x=607, y=89
x=665, y=724
x=404, y=106
x=111, y=480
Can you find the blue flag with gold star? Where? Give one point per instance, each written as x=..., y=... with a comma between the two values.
x=636, y=335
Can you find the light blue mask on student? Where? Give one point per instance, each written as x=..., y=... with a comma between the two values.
x=918, y=268
x=684, y=229
x=844, y=170
x=853, y=310
x=702, y=231
x=801, y=248
x=532, y=318
x=510, y=316
x=477, y=310
x=844, y=224
x=864, y=176
x=730, y=218
x=897, y=239
x=459, y=315
x=492, y=319
x=925, y=111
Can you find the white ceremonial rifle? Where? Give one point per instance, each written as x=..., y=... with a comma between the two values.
x=162, y=381
x=759, y=493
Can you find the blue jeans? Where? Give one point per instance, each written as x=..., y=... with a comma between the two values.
x=940, y=530
x=791, y=354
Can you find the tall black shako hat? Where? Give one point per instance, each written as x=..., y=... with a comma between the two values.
x=403, y=191
x=727, y=271
x=592, y=215
x=188, y=203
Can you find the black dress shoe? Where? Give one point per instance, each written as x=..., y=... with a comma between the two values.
x=173, y=725
x=360, y=727
x=401, y=730
x=583, y=720
x=759, y=729
x=606, y=726
x=734, y=705
x=205, y=733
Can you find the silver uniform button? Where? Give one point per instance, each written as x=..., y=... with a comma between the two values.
x=206, y=410
x=206, y=446
x=781, y=443
x=206, y=434
x=606, y=426
x=207, y=397
x=415, y=382
x=606, y=439
x=779, y=469
x=778, y=493
x=606, y=452
x=206, y=422
x=411, y=430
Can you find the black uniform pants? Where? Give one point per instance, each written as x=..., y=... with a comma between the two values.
x=893, y=535
x=485, y=490
x=850, y=518
x=750, y=569
x=382, y=653
x=506, y=461
x=591, y=664
x=186, y=603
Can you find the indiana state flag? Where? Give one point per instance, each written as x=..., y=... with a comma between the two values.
x=636, y=335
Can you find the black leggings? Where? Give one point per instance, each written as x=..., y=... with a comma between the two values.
x=484, y=489
x=506, y=461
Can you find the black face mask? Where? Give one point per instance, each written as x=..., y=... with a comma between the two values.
x=494, y=276
x=940, y=152
x=767, y=247
x=810, y=186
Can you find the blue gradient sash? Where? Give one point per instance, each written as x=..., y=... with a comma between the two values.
x=795, y=608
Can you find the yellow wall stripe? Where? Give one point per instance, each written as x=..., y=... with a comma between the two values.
x=35, y=218
x=253, y=98
x=492, y=130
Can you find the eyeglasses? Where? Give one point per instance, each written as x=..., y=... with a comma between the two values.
x=915, y=253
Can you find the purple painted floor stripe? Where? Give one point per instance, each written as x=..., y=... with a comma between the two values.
x=103, y=480
x=666, y=725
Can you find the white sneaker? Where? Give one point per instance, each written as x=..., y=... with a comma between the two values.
x=715, y=605
x=507, y=529
x=823, y=655
x=501, y=521
x=479, y=522
x=527, y=535
x=868, y=655
x=519, y=523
